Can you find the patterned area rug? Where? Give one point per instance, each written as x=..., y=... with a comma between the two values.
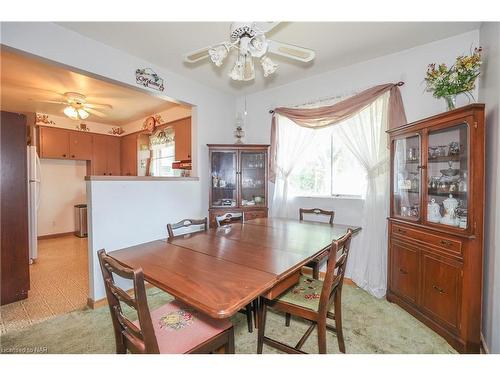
x=370, y=326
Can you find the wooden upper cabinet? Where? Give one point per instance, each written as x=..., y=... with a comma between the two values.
x=54, y=143
x=182, y=130
x=100, y=155
x=106, y=155
x=80, y=146
x=128, y=152
x=113, y=156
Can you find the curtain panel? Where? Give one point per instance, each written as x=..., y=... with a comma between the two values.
x=321, y=117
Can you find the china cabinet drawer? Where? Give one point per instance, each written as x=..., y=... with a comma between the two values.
x=404, y=270
x=447, y=244
x=250, y=215
x=441, y=288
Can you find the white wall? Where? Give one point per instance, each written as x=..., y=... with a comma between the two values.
x=67, y=123
x=61, y=188
x=490, y=94
x=213, y=119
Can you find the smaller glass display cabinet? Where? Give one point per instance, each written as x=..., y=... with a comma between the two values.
x=238, y=180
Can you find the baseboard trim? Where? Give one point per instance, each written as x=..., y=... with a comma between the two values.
x=55, y=235
x=484, y=346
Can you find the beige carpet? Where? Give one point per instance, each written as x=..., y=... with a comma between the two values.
x=58, y=284
x=370, y=326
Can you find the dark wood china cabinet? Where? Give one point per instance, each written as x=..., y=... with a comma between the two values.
x=238, y=180
x=436, y=223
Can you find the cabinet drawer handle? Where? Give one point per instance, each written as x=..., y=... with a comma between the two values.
x=445, y=243
x=399, y=230
x=72, y=156
x=440, y=290
x=403, y=271
x=64, y=155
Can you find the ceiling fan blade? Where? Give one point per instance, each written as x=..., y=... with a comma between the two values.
x=98, y=105
x=200, y=54
x=50, y=101
x=266, y=26
x=291, y=51
x=95, y=112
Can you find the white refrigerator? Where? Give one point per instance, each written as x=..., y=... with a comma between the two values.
x=34, y=183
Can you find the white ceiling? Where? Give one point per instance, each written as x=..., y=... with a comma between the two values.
x=336, y=44
x=26, y=81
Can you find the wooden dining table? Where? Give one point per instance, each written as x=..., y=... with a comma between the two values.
x=221, y=270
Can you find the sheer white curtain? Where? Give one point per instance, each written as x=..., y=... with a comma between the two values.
x=364, y=135
x=293, y=142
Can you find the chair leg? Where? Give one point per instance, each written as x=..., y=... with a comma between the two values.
x=248, y=309
x=338, y=320
x=322, y=335
x=262, y=326
x=229, y=347
x=316, y=270
x=287, y=319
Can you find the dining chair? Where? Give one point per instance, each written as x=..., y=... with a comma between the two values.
x=318, y=261
x=173, y=328
x=311, y=299
x=186, y=223
x=228, y=218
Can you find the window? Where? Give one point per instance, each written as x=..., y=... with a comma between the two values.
x=162, y=148
x=328, y=169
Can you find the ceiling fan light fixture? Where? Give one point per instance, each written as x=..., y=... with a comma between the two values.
x=258, y=46
x=268, y=65
x=249, y=69
x=83, y=114
x=236, y=73
x=71, y=112
x=218, y=54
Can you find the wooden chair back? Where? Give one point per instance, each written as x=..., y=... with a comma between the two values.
x=186, y=223
x=228, y=218
x=129, y=336
x=316, y=211
x=335, y=271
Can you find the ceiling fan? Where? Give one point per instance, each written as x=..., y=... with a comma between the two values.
x=77, y=107
x=249, y=39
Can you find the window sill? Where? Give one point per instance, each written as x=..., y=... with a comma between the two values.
x=340, y=196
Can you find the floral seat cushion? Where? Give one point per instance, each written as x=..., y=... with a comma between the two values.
x=305, y=294
x=179, y=328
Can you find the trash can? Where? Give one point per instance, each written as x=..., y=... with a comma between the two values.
x=81, y=220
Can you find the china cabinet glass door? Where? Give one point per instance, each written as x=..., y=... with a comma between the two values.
x=406, y=178
x=253, y=178
x=447, y=176
x=224, y=187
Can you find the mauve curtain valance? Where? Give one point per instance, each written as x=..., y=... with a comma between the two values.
x=330, y=115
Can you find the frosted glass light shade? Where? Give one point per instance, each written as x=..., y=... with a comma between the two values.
x=268, y=65
x=71, y=112
x=237, y=72
x=218, y=54
x=249, y=69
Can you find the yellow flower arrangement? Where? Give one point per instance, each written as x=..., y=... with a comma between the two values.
x=460, y=78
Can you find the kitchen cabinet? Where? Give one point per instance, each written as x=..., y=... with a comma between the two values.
x=182, y=129
x=106, y=155
x=128, y=154
x=57, y=143
x=53, y=143
x=436, y=223
x=80, y=146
